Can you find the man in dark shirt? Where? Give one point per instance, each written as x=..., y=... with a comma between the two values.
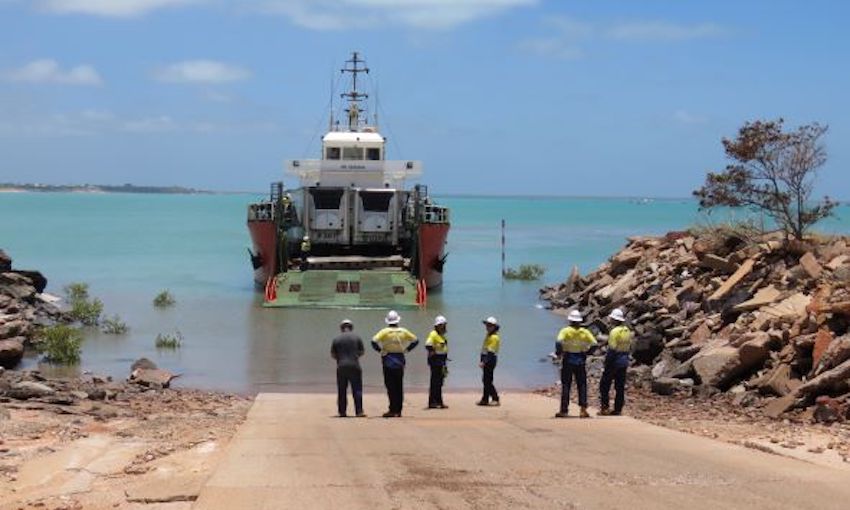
x=346, y=349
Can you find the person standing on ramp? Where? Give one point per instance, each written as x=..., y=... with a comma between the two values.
x=489, y=357
x=393, y=342
x=574, y=341
x=438, y=355
x=346, y=349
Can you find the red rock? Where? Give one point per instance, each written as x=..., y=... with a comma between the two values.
x=701, y=335
x=712, y=261
x=822, y=340
x=776, y=407
x=742, y=272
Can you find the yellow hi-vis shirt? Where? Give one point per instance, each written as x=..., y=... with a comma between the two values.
x=620, y=339
x=576, y=340
x=394, y=340
x=438, y=342
x=491, y=344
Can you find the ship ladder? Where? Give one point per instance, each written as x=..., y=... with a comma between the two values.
x=421, y=293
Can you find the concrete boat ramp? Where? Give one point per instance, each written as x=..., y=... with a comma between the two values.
x=293, y=453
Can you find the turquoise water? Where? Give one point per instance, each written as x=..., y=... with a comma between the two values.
x=129, y=247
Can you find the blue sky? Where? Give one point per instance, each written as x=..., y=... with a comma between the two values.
x=602, y=97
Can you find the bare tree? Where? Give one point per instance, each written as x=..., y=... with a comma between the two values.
x=772, y=171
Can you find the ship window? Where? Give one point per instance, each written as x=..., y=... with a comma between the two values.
x=332, y=153
x=326, y=198
x=352, y=153
x=373, y=154
x=376, y=200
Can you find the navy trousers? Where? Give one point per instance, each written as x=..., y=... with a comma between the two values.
x=345, y=377
x=618, y=376
x=567, y=373
x=394, y=381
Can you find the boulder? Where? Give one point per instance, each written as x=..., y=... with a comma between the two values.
x=35, y=277
x=763, y=297
x=778, y=406
x=615, y=291
x=26, y=390
x=837, y=262
x=17, y=286
x=624, y=260
x=742, y=272
x=811, y=265
x=835, y=354
x=778, y=381
x=152, y=377
x=5, y=262
x=665, y=385
x=647, y=348
x=723, y=365
x=701, y=335
x=15, y=328
x=828, y=410
x=832, y=382
x=143, y=363
x=793, y=307
x=823, y=339
x=11, y=352
x=717, y=263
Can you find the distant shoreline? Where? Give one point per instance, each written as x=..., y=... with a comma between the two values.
x=99, y=188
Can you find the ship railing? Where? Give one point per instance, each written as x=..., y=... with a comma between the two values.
x=436, y=214
x=317, y=170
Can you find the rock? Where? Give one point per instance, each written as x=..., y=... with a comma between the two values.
x=727, y=286
x=701, y=335
x=15, y=328
x=828, y=410
x=11, y=352
x=823, y=339
x=153, y=377
x=665, y=385
x=721, y=264
x=26, y=390
x=647, y=348
x=615, y=291
x=763, y=297
x=777, y=407
x=17, y=286
x=793, y=308
x=721, y=366
x=35, y=277
x=5, y=262
x=837, y=262
x=779, y=382
x=811, y=265
x=834, y=381
x=143, y=363
x=835, y=354
x=624, y=260
x=841, y=308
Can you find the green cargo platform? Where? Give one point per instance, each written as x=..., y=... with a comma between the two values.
x=323, y=288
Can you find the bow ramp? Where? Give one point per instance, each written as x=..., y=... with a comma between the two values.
x=341, y=288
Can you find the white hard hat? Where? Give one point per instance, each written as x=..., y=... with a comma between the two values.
x=618, y=315
x=306, y=238
x=491, y=321
x=575, y=316
x=440, y=320
x=346, y=322
x=392, y=317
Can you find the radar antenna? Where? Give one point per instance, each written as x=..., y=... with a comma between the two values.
x=354, y=97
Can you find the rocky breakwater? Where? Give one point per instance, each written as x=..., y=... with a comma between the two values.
x=720, y=312
x=23, y=308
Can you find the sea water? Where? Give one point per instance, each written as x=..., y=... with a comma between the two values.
x=129, y=247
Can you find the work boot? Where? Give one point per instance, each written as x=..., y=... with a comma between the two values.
x=482, y=403
x=605, y=412
x=496, y=403
x=562, y=414
x=583, y=413
x=443, y=406
x=388, y=414
x=616, y=413
x=361, y=414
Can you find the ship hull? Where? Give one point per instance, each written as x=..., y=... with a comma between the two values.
x=264, y=241
x=432, y=245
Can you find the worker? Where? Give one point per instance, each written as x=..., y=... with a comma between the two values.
x=346, y=349
x=489, y=357
x=438, y=353
x=306, y=246
x=616, y=364
x=572, y=345
x=392, y=342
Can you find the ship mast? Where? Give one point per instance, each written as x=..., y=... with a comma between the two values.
x=354, y=97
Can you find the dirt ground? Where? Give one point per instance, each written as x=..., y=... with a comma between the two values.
x=144, y=448
x=718, y=416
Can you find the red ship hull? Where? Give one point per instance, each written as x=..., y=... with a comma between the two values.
x=432, y=244
x=264, y=250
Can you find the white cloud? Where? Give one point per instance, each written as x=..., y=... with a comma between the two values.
x=201, y=71
x=360, y=14
x=109, y=8
x=99, y=122
x=49, y=71
x=663, y=31
x=568, y=36
x=686, y=117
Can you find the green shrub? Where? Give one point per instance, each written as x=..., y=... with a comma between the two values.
x=164, y=299
x=169, y=340
x=60, y=344
x=84, y=309
x=526, y=272
x=114, y=326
